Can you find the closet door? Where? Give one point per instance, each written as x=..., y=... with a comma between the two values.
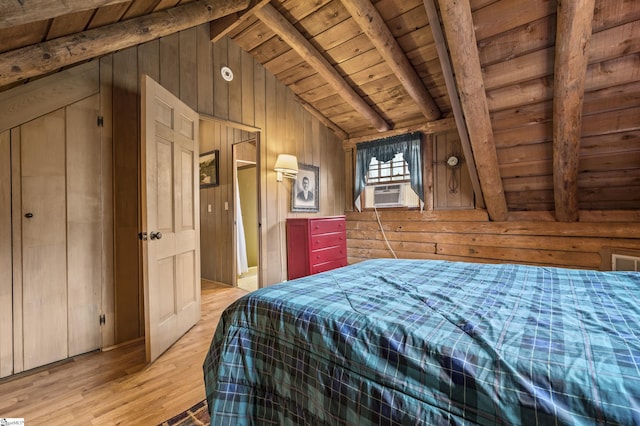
x=84, y=225
x=43, y=308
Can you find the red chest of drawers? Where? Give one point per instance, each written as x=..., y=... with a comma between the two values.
x=315, y=245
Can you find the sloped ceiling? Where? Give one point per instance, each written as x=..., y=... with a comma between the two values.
x=545, y=94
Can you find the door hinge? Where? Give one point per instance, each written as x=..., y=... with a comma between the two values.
x=103, y=319
x=100, y=121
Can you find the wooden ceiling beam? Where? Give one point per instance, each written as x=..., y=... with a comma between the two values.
x=42, y=58
x=452, y=91
x=437, y=126
x=223, y=26
x=573, y=32
x=281, y=26
x=369, y=20
x=459, y=29
x=16, y=12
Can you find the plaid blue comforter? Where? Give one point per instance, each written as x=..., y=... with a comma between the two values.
x=409, y=342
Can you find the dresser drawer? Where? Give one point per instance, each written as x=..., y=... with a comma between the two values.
x=326, y=226
x=327, y=266
x=325, y=255
x=328, y=240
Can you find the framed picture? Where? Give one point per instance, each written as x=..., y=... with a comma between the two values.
x=305, y=192
x=209, y=170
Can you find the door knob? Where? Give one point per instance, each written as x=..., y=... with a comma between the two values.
x=156, y=235
x=28, y=215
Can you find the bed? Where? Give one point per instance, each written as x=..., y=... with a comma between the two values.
x=412, y=342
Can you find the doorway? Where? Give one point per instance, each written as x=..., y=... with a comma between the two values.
x=246, y=215
x=232, y=144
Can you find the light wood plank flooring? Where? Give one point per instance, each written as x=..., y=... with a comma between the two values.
x=117, y=387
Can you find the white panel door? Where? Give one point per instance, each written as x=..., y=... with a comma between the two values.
x=170, y=217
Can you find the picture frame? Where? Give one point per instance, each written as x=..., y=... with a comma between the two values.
x=305, y=190
x=209, y=168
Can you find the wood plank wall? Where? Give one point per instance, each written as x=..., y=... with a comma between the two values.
x=255, y=99
x=452, y=187
x=188, y=64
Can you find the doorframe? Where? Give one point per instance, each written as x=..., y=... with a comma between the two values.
x=235, y=161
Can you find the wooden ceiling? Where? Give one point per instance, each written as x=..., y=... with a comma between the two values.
x=545, y=93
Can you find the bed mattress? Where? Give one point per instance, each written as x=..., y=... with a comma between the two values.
x=399, y=342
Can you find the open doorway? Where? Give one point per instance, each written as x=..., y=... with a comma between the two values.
x=235, y=147
x=246, y=215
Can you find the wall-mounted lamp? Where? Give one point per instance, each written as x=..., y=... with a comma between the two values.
x=286, y=166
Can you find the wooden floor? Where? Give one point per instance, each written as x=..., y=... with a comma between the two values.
x=117, y=387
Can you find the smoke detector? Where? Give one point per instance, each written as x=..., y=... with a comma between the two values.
x=227, y=74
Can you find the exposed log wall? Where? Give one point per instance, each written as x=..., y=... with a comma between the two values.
x=467, y=235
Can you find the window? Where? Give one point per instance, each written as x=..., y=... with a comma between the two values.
x=389, y=160
x=396, y=170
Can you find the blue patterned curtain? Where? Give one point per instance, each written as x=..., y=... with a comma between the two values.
x=384, y=150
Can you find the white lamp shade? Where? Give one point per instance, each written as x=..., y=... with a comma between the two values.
x=287, y=164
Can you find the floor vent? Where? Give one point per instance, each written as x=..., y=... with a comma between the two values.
x=621, y=262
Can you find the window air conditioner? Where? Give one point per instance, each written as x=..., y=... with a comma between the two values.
x=393, y=195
